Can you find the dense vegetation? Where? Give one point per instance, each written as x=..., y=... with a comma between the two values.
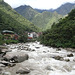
x=11, y=20
x=43, y=20
x=26, y=11
x=61, y=34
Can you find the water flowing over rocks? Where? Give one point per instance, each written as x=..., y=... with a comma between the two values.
x=36, y=59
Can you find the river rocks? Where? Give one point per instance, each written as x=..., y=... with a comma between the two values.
x=70, y=55
x=40, y=60
x=4, y=50
x=67, y=60
x=16, y=56
x=6, y=73
x=23, y=71
x=1, y=70
x=58, y=58
x=48, y=68
x=5, y=63
x=58, y=49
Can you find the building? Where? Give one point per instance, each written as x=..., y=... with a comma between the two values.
x=9, y=34
x=32, y=35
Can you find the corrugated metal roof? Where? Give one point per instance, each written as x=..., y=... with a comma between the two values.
x=7, y=31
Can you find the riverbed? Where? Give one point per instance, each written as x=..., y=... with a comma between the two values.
x=43, y=60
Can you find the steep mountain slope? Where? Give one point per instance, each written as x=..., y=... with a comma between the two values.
x=43, y=20
x=26, y=11
x=61, y=34
x=10, y=19
x=46, y=19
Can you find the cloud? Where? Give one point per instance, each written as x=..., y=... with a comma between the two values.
x=41, y=4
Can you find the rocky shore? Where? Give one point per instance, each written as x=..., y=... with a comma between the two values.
x=36, y=59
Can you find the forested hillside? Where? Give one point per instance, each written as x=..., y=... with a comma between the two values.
x=11, y=20
x=43, y=20
x=61, y=34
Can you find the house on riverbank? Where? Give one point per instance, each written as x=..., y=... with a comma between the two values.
x=9, y=35
x=32, y=35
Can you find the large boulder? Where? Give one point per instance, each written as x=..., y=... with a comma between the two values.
x=70, y=55
x=23, y=71
x=58, y=58
x=6, y=73
x=16, y=57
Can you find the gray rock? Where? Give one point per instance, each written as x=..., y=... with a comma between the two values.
x=74, y=60
x=1, y=65
x=23, y=71
x=5, y=63
x=58, y=49
x=67, y=60
x=70, y=55
x=6, y=73
x=1, y=70
x=58, y=58
x=16, y=57
x=49, y=68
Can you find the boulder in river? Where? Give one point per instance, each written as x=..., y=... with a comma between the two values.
x=6, y=73
x=23, y=71
x=70, y=55
x=58, y=58
x=16, y=57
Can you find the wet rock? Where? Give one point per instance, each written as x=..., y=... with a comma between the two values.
x=11, y=64
x=19, y=59
x=16, y=57
x=33, y=50
x=74, y=60
x=58, y=58
x=23, y=71
x=37, y=47
x=5, y=63
x=1, y=65
x=1, y=70
x=49, y=68
x=3, y=51
x=44, y=51
x=70, y=55
x=67, y=60
x=58, y=49
x=6, y=73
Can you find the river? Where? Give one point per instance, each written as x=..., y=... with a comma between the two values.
x=44, y=60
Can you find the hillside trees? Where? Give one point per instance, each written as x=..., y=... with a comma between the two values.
x=61, y=34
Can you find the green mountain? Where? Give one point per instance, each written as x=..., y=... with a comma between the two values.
x=43, y=20
x=26, y=11
x=61, y=34
x=46, y=19
x=11, y=20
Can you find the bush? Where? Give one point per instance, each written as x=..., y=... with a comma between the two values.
x=1, y=39
x=11, y=41
x=23, y=38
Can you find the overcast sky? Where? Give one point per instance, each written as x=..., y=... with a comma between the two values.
x=40, y=4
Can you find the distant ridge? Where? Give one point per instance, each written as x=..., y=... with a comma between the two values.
x=63, y=9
